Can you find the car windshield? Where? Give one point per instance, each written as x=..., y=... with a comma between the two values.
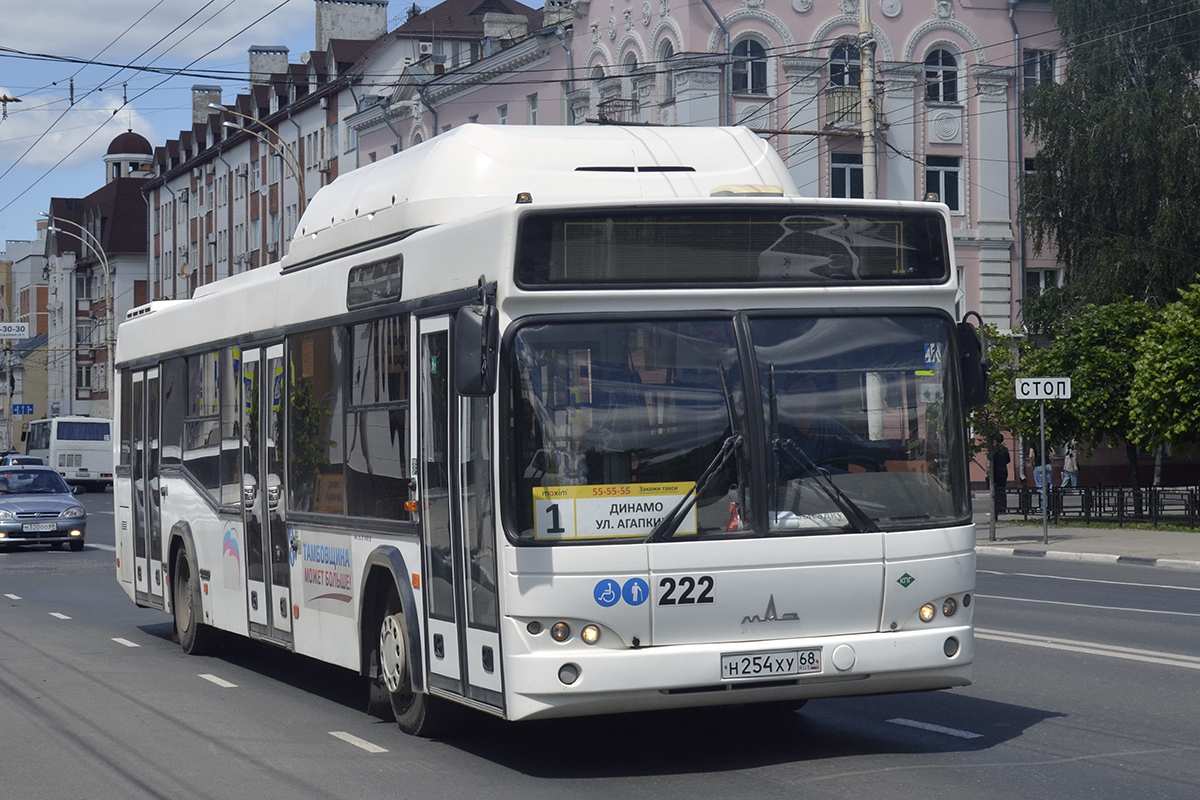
x=40, y=481
x=856, y=427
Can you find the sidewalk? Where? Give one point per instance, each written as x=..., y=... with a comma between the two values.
x=1155, y=548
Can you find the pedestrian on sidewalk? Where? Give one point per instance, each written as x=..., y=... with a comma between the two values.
x=1040, y=474
x=1070, y=469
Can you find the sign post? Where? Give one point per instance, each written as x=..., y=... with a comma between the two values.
x=8, y=332
x=1043, y=389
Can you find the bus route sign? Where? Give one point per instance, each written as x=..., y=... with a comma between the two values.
x=607, y=511
x=1043, y=388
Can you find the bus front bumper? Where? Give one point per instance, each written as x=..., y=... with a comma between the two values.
x=576, y=681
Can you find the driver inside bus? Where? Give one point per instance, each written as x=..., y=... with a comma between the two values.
x=826, y=443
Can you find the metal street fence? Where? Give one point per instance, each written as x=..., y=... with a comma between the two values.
x=1155, y=505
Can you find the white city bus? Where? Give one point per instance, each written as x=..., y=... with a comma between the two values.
x=561, y=421
x=79, y=448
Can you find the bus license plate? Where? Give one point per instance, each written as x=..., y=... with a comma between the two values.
x=37, y=527
x=779, y=664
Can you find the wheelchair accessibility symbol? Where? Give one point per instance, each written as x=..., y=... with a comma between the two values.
x=607, y=593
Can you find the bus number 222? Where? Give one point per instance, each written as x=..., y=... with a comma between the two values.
x=686, y=586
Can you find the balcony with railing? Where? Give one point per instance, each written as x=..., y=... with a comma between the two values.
x=843, y=107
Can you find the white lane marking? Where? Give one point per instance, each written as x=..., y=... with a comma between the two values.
x=126, y=642
x=1094, y=580
x=58, y=615
x=929, y=726
x=362, y=744
x=13, y=596
x=1089, y=605
x=110, y=548
x=1092, y=648
x=224, y=684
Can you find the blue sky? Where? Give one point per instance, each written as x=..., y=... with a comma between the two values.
x=50, y=147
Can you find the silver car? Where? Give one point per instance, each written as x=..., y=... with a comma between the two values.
x=38, y=507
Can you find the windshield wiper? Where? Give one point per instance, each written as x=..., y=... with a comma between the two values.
x=857, y=517
x=667, y=526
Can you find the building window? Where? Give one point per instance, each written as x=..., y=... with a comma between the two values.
x=846, y=175
x=941, y=77
x=1039, y=67
x=1039, y=280
x=83, y=376
x=666, y=51
x=502, y=114
x=749, y=67
x=845, y=68
x=532, y=101
x=943, y=180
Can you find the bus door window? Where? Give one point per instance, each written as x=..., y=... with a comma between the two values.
x=137, y=460
x=271, y=434
x=248, y=437
x=154, y=508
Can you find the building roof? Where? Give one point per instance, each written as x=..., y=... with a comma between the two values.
x=130, y=143
x=462, y=18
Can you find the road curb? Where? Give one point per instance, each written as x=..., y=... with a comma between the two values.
x=1096, y=558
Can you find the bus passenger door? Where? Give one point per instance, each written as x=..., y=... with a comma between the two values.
x=149, y=576
x=268, y=568
x=455, y=484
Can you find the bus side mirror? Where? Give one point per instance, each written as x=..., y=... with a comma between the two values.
x=974, y=366
x=476, y=350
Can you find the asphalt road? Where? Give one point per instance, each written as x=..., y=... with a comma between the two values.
x=1086, y=680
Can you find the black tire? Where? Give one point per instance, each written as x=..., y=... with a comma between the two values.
x=76, y=545
x=416, y=713
x=194, y=636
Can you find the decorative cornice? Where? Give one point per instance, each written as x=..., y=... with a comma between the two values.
x=926, y=28
x=804, y=74
x=632, y=39
x=824, y=35
x=752, y=15
x=993, y=82
x=666, y=24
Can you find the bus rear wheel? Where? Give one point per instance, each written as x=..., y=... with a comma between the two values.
x=194, y=636
x=416, y=713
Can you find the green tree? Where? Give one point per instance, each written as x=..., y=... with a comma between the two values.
x=1114, y=188
x=1096, y=348
x=1165, y=391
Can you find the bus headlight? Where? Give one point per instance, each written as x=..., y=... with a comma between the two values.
x=927, y=612
x=949, y=607
x=560, y=631
x=590, y=633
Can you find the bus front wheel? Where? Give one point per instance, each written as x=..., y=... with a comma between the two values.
x=416, y=713
x=194, y=636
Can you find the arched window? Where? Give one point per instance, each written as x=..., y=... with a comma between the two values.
x=630, y=62
x=845, y=66
x=749, y=67
x=666, y=74
x=941, y=76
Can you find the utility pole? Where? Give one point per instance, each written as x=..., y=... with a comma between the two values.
x=866, y=86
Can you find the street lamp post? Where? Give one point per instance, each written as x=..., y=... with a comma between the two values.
x=109, y=313
x=285, y=152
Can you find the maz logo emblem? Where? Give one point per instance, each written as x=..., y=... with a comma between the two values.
x=770, y=615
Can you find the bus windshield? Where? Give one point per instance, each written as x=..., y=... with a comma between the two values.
x=851, y=427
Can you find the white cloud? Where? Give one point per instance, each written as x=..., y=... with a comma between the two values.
x=89, y=125
x=85, y=29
